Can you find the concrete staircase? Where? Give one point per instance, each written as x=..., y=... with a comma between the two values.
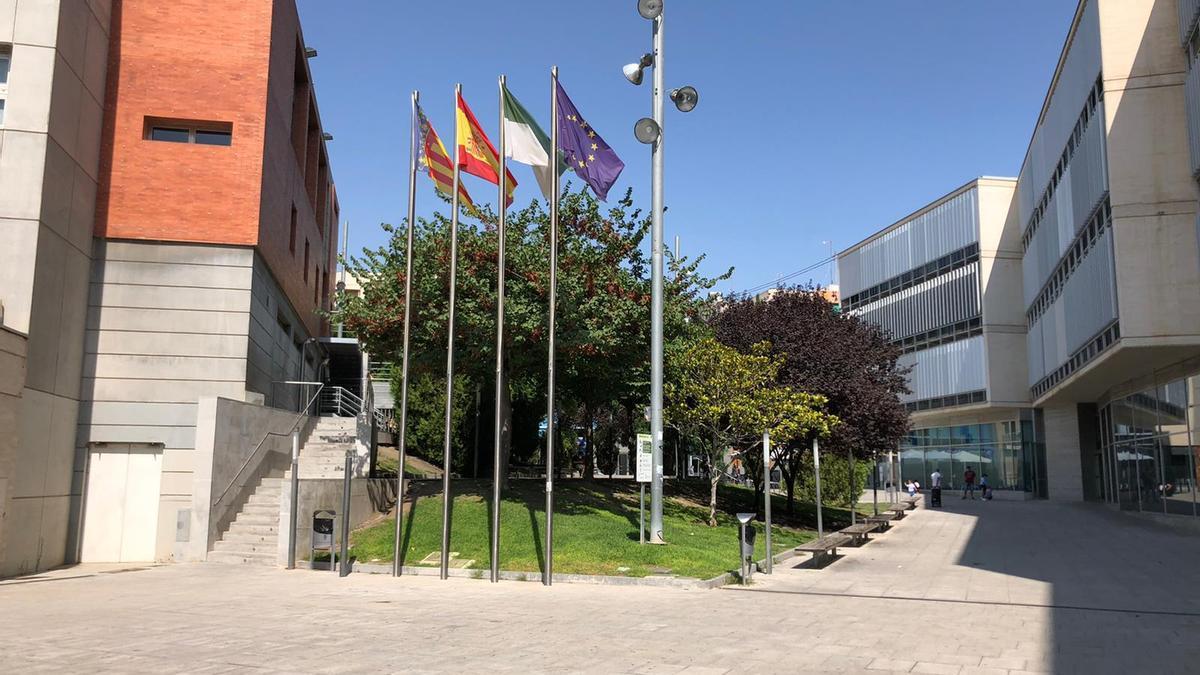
x=253, y=537
x=324, y=453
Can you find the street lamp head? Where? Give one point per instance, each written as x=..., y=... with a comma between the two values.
x=685, y=98
x=646, y=130
x=634, y=71
x=650, y=9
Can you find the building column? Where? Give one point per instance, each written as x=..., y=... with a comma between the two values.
x=1063, y=478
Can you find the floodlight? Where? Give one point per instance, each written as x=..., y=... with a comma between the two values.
x=646, y=130
x=309, y=52
x=634, y=71
x=650, y=9
x=327, y=136
x=685, y=98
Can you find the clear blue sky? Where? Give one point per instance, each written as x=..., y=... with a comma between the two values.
x=817, y=120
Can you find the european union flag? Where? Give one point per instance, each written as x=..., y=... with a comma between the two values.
x=584, y=151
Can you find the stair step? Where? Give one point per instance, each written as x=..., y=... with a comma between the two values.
x=244, y=537
x=260, y=510
x=235, y=558
x=246, y=530
x=265, y=547
x=256, y=519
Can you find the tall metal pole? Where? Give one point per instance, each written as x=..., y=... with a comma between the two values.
x=853, y=494
x=499, y=350
x=766, y=443
x=548, y=568
x=656, y=295
x=349, y=470
x=817, y=472
x=401, y=437
x=293, y=508
x=446, y=449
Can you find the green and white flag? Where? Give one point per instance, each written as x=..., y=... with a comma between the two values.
x=526, y=143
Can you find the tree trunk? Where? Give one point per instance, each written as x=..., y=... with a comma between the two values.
x=589, y=446
x=715, y=478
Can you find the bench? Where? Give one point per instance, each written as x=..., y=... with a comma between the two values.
x=824, y=550
x=910, y=501
x=883, y=520
x=859, y=531
x=898, y=510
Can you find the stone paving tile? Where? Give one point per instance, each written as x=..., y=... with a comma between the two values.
x=963, y=590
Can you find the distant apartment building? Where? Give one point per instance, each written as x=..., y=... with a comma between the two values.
x=1104, y=225
x=171, y=227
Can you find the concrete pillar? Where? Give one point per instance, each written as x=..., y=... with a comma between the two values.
x=1063, y=467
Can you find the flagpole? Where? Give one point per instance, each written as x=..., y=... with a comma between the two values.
x=446, y=449
x=548, y=568
x=503, y=202
x=408, y=270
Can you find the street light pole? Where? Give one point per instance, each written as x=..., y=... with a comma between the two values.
x=656, y=295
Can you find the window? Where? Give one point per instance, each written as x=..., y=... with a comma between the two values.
x=316, y=284
x=306, y=261
x=292, y=233
x=196, y=132
x=5, y=62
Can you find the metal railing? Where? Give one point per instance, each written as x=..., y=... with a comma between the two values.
x=340, y=402
x=299, y=416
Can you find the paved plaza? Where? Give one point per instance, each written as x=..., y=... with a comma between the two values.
x=997, y=587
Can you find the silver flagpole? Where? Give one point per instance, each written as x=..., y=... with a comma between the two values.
x=656, y=297
x=450, y=349
x=499, y=351
x=408, y=270
x=548, y=568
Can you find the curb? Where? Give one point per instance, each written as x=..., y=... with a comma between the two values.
x=686, y=583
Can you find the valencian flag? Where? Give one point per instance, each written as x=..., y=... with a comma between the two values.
x=525, y=142
x=476, y=154
x=586, y=153
x=436, y=161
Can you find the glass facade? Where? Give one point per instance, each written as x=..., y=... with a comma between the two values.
x=1006, y=451
x=1150, y=448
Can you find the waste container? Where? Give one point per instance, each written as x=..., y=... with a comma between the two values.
x=322, y=535
x=748, y=543
x=935, y=496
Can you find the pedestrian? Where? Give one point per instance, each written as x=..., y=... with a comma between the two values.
x=911, y=487
x=969, y=483
x=985, y=490
x=935, y=488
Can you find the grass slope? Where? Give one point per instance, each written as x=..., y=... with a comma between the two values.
x=595, y=531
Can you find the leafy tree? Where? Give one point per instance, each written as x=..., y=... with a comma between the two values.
x=727, y=398
x=849, y=362
x=602, y=338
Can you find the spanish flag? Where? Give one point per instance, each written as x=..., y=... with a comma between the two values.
x=436, y=161
x=476, y=154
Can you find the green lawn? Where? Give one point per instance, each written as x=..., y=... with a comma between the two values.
x=595, y=531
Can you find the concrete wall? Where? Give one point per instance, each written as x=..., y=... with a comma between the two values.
x=278, y=345
x=168, y=324
x=49, y=167
x=12, y=381
x=368, y=499
x=237, y=444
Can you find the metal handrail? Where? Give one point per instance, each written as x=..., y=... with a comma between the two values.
x=299, y=416
x=341, y=401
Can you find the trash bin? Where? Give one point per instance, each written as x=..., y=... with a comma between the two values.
x=935, y=496
x=748, y=543
x=322, y=535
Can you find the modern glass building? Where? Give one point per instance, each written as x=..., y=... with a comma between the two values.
x=1098, y=401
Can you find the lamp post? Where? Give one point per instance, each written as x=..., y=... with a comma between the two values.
x=650, y=131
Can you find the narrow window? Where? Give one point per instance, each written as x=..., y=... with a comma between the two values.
x=5, y=62
x=316, y=284
x=292, y=233
x=306, y=261
x=196, y=132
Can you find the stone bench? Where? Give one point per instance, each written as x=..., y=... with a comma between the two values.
x=883, y=520
x=824, y=550
x=898, y=510
x=859, y=531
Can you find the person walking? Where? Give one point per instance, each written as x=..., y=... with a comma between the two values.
x=935, y=488
x=984, y=489
x=969, y=483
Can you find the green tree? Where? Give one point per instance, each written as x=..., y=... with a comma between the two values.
x=727, y=399
x=602, y=338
